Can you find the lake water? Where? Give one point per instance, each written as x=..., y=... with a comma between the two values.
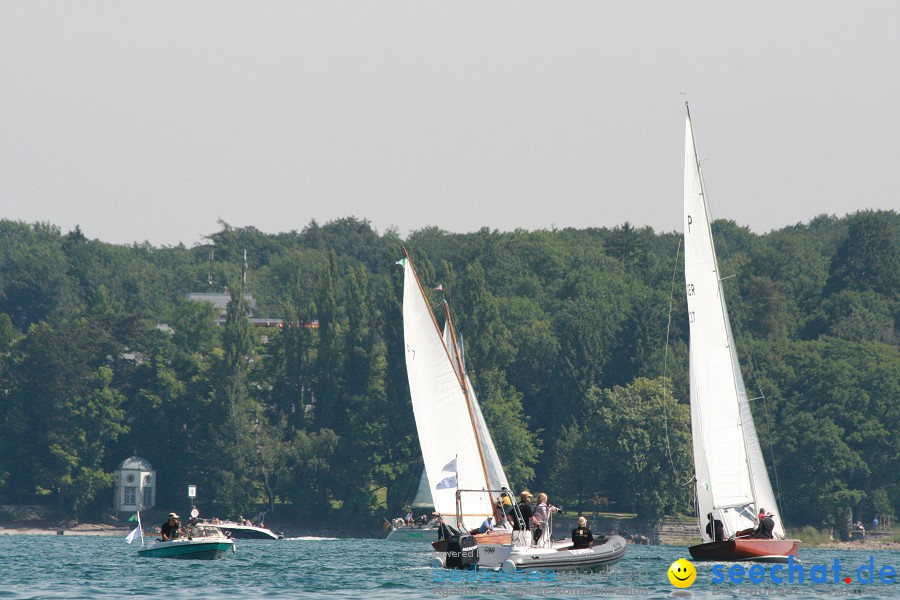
x=49, y=566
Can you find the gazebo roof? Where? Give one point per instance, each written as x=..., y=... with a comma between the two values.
x=136, y=463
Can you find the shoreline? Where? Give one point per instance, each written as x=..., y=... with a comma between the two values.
x=98, y=529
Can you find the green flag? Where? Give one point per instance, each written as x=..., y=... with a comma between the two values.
x=133, y=517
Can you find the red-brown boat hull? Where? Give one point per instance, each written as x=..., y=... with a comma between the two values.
x=485, y=539
x=746, y=549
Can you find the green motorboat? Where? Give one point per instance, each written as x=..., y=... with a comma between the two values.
x=203, y=542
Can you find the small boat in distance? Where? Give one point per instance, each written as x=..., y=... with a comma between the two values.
x=731, y=482
x=244, y=531
x=203, y=542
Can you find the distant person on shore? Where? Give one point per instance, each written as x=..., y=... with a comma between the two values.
x=582, y=537
x=171, y=529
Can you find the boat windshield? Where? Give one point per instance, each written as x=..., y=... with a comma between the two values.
x=205, y=531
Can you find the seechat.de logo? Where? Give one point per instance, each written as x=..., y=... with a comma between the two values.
x=682, y=573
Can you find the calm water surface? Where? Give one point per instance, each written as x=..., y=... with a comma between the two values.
x=48, y=566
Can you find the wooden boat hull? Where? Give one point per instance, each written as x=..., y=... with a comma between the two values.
x=746, y=549
x=484, y=539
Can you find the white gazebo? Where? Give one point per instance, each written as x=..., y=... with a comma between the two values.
x=135, y=485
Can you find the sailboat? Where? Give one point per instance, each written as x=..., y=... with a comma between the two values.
x=457, y=447
x=461, y=459
x=732, y=484
x=424, y=528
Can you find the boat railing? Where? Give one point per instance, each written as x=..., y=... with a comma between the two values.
x=521, y=531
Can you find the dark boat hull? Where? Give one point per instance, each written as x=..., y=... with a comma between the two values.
x=746, y=549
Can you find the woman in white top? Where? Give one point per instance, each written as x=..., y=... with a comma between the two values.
x=541, y=514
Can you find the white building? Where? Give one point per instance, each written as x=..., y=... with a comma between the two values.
x=135, y=487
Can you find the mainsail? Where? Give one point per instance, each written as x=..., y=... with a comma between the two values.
x=731, y=478
x=446, y=411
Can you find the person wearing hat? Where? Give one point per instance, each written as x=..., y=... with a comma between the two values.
x=171, y=529
x=766, y=526
x=525, y=510
x=582, y=537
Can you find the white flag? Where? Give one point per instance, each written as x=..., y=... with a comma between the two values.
x=450, y=467
x=134, y=534
x=446, y=483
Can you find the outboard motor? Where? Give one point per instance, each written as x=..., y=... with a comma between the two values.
x=462, y=551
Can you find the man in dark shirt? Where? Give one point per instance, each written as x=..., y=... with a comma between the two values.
x=765, y=528
x=714, y=529
x=525, y=510
x=582, y=537
x=170, y=529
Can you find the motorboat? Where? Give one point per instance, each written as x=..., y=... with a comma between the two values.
x=202, y=542
x=245, y=531
x=460, y=549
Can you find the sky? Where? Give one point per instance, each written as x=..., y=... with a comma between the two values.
x=153, y=121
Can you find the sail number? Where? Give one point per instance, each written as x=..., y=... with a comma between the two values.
x=690, y=220
x=691, y=317
x=690, y=289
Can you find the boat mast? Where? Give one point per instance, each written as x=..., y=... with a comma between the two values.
x=466, y=392
x=735, y=367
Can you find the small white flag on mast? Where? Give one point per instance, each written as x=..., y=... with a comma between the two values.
x=137, y=531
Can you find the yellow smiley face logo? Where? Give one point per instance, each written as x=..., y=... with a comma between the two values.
x=682, y=573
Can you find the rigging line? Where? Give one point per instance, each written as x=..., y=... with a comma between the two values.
x=666, y=361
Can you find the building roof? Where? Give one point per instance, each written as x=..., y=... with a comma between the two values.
x=137, y=463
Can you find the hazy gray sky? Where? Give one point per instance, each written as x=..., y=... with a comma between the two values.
x=151, y=120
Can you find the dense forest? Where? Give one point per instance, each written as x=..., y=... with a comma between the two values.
x=577, y=339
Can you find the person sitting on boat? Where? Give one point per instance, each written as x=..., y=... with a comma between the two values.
x=171, y=529
x=525, y=510
x=541, y=515
x=765, y=527
x=714, y=529
x=422, y=520
x=582, y=537
x=408, y=519
x=487, y=526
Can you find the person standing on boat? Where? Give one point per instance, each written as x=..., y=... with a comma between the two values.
x=171, y=529
x=525, y=511
x=582, y=537
x=541, y=515
x=714, y=529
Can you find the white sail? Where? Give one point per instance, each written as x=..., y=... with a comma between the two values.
x=423, y=497
x=730, y=472
x=496, y=475
x=444, y=419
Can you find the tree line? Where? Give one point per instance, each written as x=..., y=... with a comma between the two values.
x=577, y=341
